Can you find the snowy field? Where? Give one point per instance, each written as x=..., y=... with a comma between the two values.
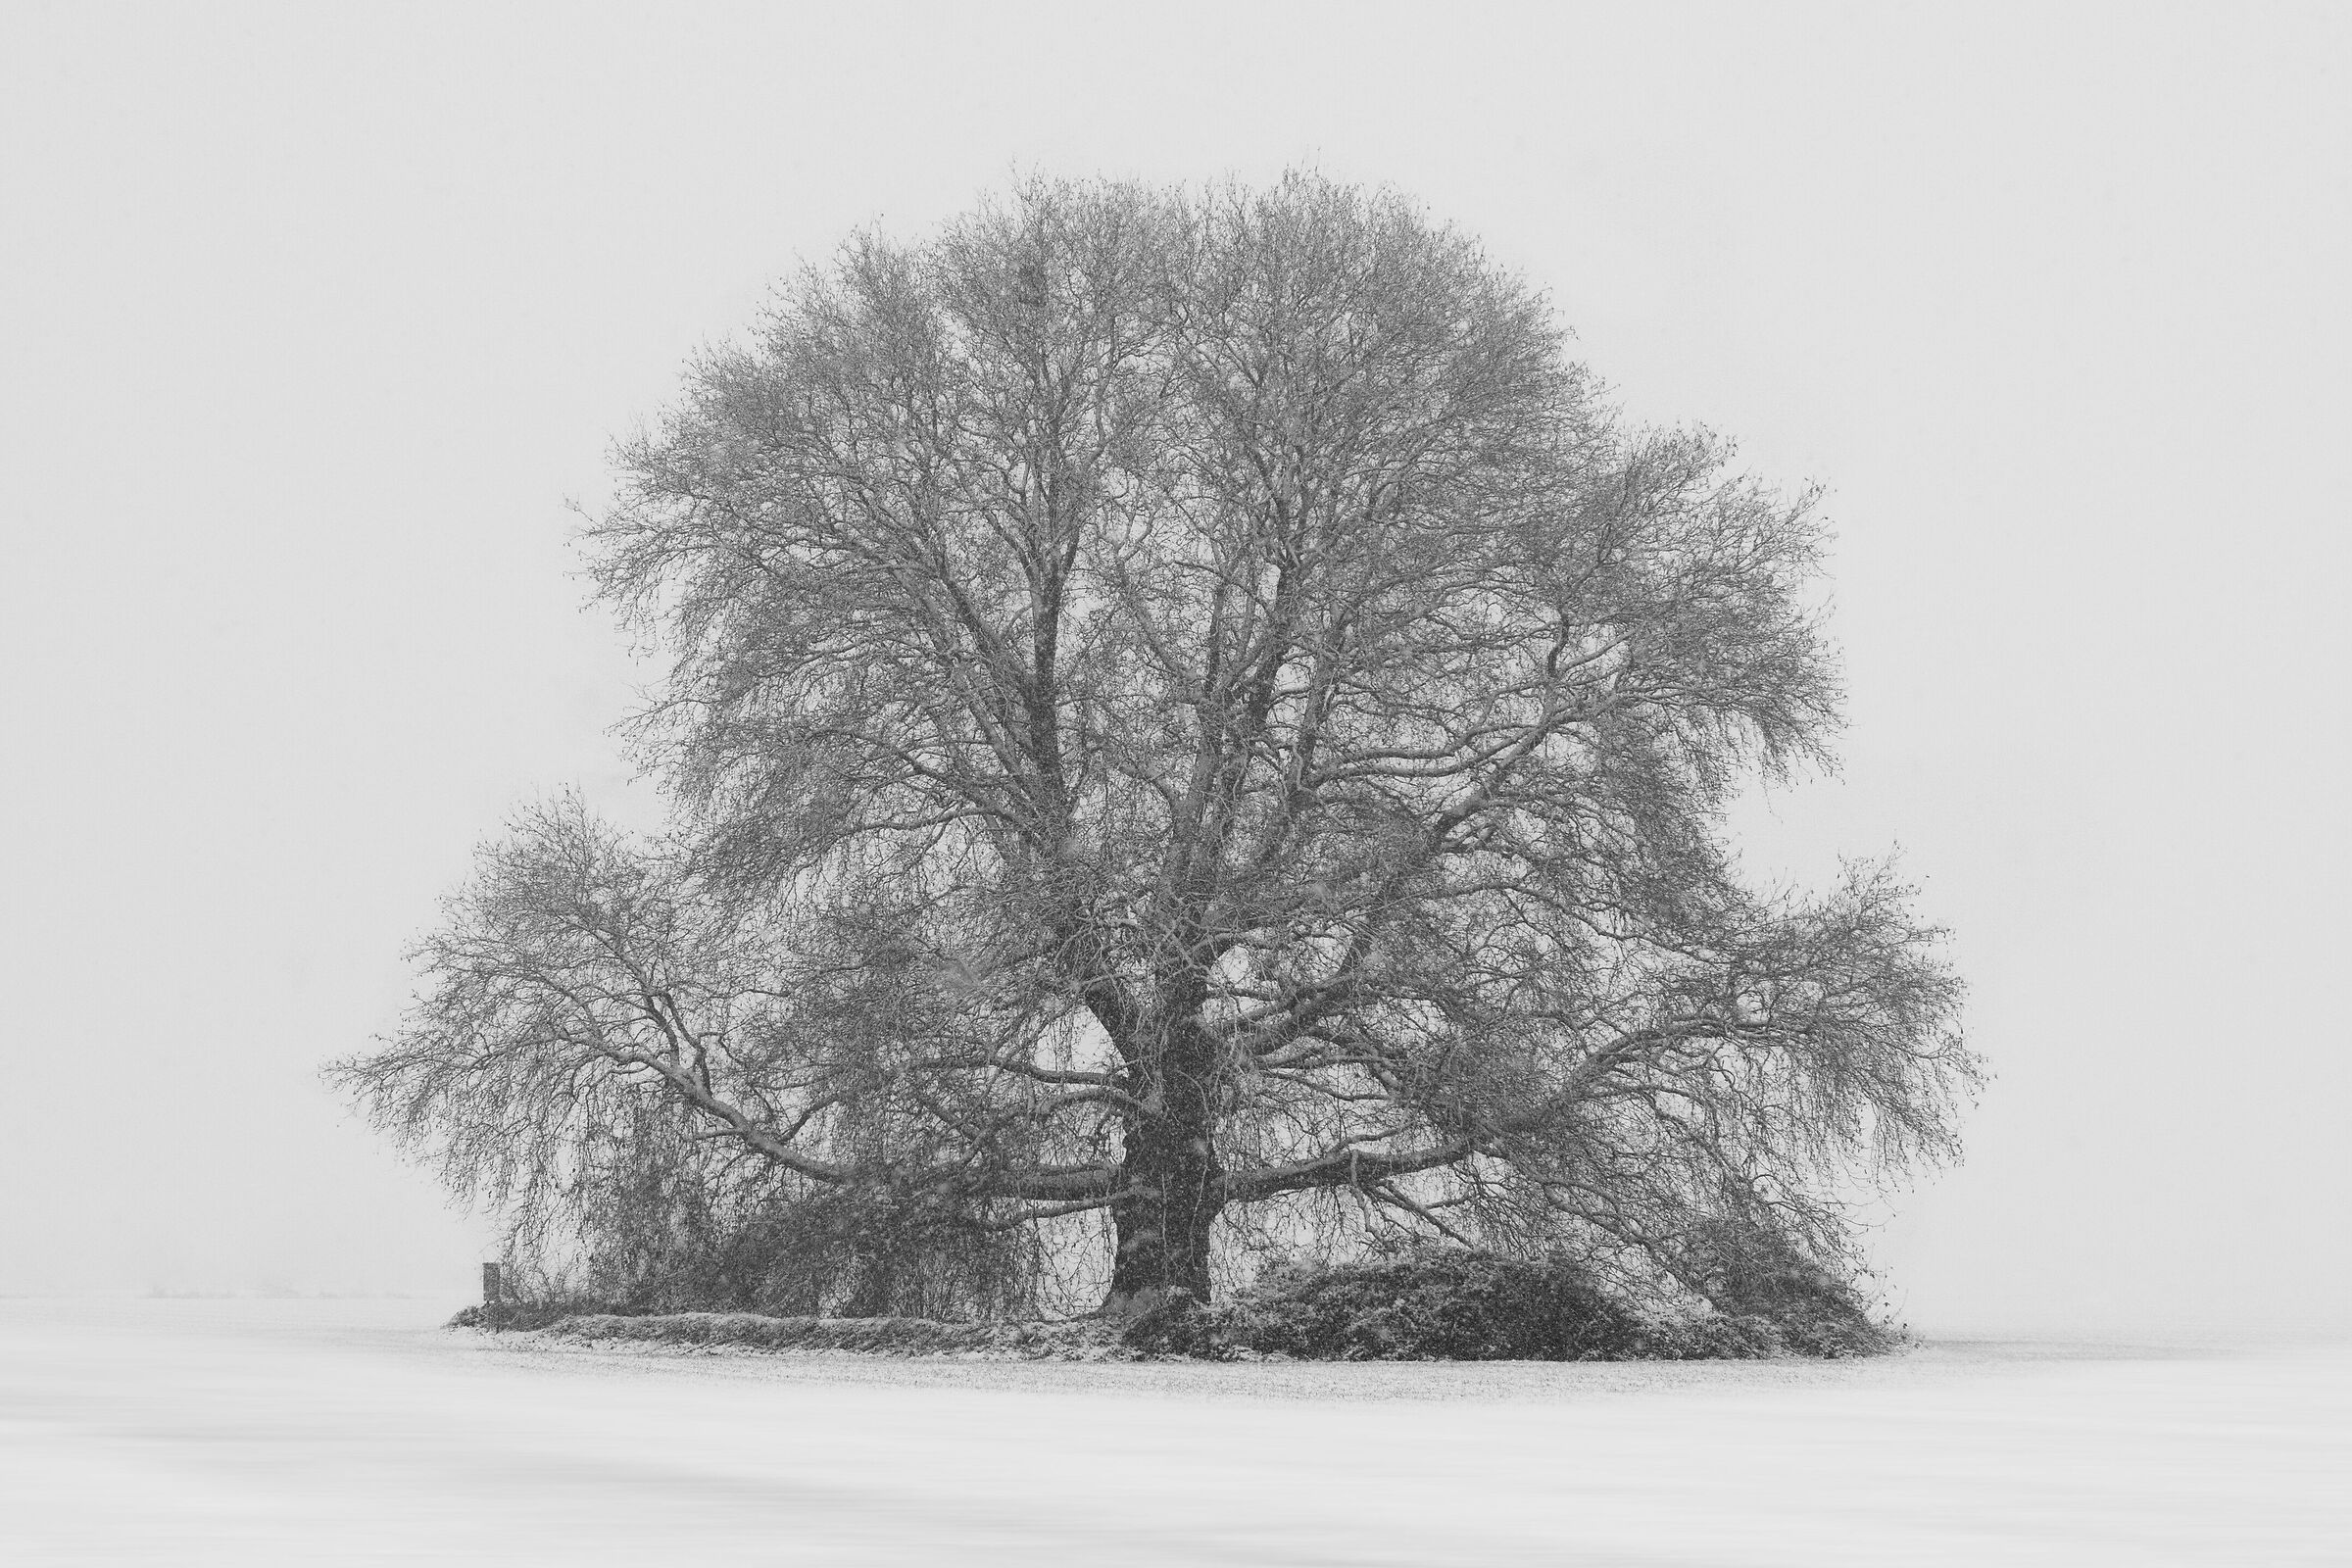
x=355, y=1432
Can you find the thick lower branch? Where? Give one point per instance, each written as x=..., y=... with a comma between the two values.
x=1089, y=1186
x=1342, y=1167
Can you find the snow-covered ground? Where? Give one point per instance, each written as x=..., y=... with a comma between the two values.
x=256, y=1433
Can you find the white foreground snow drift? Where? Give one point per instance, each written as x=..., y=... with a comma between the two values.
x=288, y=1432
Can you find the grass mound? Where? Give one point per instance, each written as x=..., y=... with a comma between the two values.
x=1085, y=1339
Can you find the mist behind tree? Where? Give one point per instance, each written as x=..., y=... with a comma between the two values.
x=1194, y=729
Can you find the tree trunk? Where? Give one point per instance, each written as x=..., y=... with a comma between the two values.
x=1163, y=1229
x=1176, y=1184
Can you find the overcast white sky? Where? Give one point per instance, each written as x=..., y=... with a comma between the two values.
x=313, y=318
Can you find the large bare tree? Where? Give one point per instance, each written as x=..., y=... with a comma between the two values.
x=1191, y=705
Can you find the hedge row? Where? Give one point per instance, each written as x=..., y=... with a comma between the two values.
x=1437, y=1304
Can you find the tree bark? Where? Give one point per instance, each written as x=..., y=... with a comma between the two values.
x=1173, y=1182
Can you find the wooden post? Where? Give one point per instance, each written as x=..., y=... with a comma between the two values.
x=491, y=1295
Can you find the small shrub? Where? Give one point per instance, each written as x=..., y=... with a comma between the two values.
x=1453, y=1304
x=1754, y=1272
x=1715, y=1338
x=539, y=1314
x=1432, y=1305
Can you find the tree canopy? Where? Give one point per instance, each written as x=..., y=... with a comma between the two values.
x=1192, y=723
